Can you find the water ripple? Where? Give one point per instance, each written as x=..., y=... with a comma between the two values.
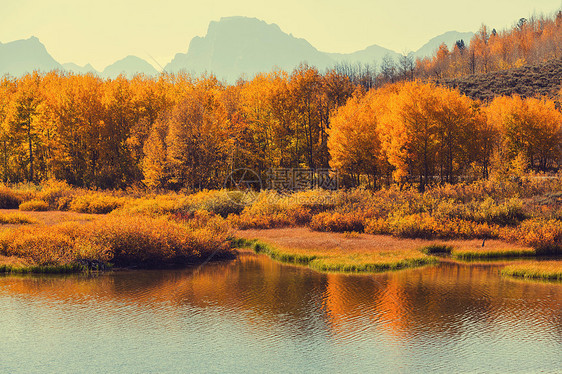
x=255, y=315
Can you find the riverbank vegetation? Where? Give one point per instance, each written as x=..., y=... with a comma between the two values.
x=487, y=219
x=114, y=240
x=540, y=270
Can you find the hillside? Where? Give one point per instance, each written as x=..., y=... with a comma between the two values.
x=129, y=66
x=24, y=56
x=449, y=38
x=235, y=46
x=542, y=79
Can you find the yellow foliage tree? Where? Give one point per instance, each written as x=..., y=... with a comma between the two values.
x=531, y=127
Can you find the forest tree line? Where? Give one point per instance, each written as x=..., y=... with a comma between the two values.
x=174, y=131
x=179, y=132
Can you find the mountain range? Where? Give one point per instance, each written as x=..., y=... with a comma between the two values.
x=233, y=47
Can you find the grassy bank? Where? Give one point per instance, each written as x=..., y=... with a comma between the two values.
x=345, y=252
x=331, y=252
x=469, y=250
x=540, y=270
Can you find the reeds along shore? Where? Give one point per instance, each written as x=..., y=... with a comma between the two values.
x=139, y=228
x=543, y=270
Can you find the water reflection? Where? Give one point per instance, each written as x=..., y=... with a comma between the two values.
x=253, y=314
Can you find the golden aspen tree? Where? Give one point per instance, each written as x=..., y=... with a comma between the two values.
x=532, y=127
x=7, y=90
x=21, y=123
x=425, y=132
x=354, y=143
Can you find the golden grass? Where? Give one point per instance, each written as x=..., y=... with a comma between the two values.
x=335, y=252
x=546, y=270
x=16, y=219
x=372, y=263
x=473, y=249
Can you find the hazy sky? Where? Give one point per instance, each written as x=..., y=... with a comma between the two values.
x=102, y=31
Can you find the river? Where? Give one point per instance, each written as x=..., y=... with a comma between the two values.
x=255, y=315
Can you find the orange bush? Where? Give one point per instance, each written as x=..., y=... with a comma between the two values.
x=124, y=241
x=337, y=222
x=542, y=234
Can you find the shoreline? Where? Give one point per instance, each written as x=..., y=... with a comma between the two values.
x=341, y=253
x=144, y=247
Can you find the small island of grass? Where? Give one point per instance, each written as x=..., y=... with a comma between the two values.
x=334, y=252
x=539, y=270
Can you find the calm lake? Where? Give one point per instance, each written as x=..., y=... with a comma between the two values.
x=256, y=315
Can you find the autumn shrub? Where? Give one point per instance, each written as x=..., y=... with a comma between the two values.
x=426, y=226
x=222, y=203
x=497, y=189
x=316, y=201
x=154, y=242
x=488, y=211
x=337, y=222
x=545, y=235
x=34, y=205
x=53, y=245
x=548, y=206
x=123, y=241
x=377, y=226
x=415, y=226
x=25, y=191
x=9, y=199
x=57, y=194
x=298, y=216
x=274, y=210
x=154, y=205
x=95, y=203
x=509, y=212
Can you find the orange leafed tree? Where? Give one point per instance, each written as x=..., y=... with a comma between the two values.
x=354, y=142
x=428, y=131
x=529, y=127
